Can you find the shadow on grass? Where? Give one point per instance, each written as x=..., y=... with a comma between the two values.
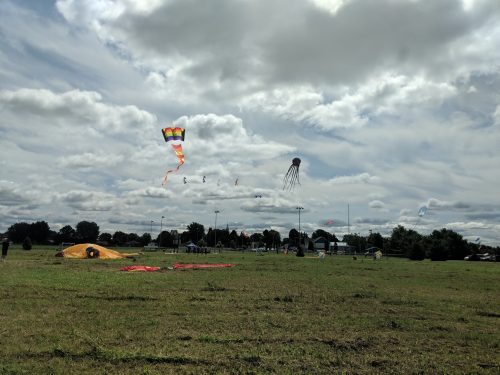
x=99, y=354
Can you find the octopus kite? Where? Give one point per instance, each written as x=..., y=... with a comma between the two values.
x=174, y=135
x=292, y=176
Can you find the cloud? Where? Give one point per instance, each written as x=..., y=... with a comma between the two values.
x=88, y=201
x=376, y=204
x=363, y=178
x=85, y=107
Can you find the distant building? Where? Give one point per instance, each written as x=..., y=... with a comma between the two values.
x=342, y=248
x=321, y=243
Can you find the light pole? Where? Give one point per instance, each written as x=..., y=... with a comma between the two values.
x=215, y=231
x=161, y=228
x=299, y=209
x=151, y=232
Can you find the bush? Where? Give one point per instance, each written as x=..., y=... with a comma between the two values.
x=416, y=252
x=27, y=245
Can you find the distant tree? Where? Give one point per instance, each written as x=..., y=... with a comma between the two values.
x=417, y=252
x=86, y=231
x=354, y=239
x=145, y=239
x=293, y=237
x=39, y=232
x=375, y=239
x=447, y=244
x=165, y=239
x=133, y=239
x=185, y=237
x=27, y=245
x=196, y=231
x=106, y=238
x=402, y=240
x=257, y=238
x=18, y=232
x=436, y=249
x=272, y=239
x=326, y=235
x=66, y=234
x=120, y=238
x=244, y=239
x=233, y=239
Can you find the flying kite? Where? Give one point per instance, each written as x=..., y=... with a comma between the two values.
x=292, y=176
x=204, y=178
x=422, y=211
x=174, y=135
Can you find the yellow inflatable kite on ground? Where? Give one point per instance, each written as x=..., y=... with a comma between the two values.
x=90, y=250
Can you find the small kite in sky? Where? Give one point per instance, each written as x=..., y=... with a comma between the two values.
x=292, y=176
x=258, y=196
x=422, y=211
x=236, y=182
x=185, y=181
x=175, y=135
x=204, y=178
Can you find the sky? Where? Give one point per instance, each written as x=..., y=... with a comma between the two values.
x=391, y=105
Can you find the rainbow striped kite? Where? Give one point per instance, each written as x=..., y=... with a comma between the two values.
x=174, y=134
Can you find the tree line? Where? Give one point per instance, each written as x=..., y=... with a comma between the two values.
x=439, y=245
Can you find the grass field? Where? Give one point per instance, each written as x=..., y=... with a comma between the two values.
x=269, y=314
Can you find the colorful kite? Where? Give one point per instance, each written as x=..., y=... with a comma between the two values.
x=422, y=211
x=292, y=176
x=174, y=135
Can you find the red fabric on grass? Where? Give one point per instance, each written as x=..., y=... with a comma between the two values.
x=180, y=266
x=139, y=268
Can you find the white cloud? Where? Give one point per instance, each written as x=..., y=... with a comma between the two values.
x=376, y=204
x=363, y=178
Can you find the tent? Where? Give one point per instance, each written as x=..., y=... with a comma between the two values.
x=90, y=250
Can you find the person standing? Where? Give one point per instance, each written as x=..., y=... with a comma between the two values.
x=5, y=247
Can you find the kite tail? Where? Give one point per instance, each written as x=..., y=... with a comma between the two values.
x=170, y=171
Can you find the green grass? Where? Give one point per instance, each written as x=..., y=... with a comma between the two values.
x=269, y=314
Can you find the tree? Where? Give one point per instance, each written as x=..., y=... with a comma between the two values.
x=145, y=239
x=87, y=231
x=326, y=235
x=66, y=234
x=39, y=232
x=196, y=231
x=402, y=240
x=272, y=239
x=106, y=238
x=375, y=239
x=244, y=239
x=257, y=238
x=27, y=245
x=293, y=237
x=354, y=239
x=119, y=238
x=233, y=239
x=165, y=239
x=18, y=232
x=447, y=244
x=417, y=252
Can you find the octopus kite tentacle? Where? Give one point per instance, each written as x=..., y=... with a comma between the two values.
x=292, y=176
